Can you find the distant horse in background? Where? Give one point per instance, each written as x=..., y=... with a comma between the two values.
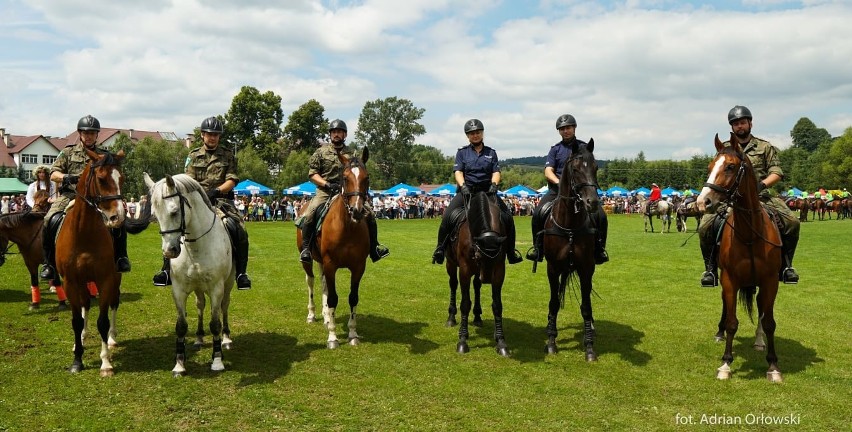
x=749, y=252
x=686, y=211
x=663, y=210
x=477, y=251
x=569, y=242
x=199, y=247
x=819, y=208
x=836, y=207
x=803, y=206
x=342, y=242
x=24, y=230
x=84, y=252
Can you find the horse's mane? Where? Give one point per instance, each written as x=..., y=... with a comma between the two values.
x=15, y=220
x=185, y=185
x=107, y=160
x=479, y=214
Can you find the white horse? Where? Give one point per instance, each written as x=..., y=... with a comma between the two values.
x=196, y=241
x=663, y=209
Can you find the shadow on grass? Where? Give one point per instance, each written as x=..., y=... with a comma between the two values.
x=379, y=329
x=527, y=342
x=793, y=357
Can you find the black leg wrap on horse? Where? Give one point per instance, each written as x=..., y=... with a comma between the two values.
x=308, y=232
x=119, y=247
x=240, y=244
x=443, y=233
x=377, y=251
x=48, y=243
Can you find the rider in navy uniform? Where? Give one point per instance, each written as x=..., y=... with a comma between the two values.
x=556, y=158
x=476, y=169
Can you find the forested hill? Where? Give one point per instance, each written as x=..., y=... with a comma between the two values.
x=535, y=162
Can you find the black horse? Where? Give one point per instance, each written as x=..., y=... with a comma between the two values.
x=569, y=242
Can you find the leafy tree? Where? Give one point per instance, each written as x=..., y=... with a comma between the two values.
x=251, y=167
x=254, y=120
x=807, y=136
x=427, y=165
x=295, y=169
x=389, y=127
x=157, y=157
x=306, y=127
x=838, y=167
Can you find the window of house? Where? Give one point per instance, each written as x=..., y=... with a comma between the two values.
x=48, y=159
x=29, y=158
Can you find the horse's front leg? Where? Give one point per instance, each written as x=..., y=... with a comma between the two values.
x=477, y=304
x=216, y=330
x=181, y=328
x=200, y=304
x=78, y=324
x=309, y=282
x=462, y=346
x=586, y=312
x=226, y=327
x=330, y=300
x=452, y=271
x=720, y=334
x=357, y=273
x=553, y=306
x=766, y=302
x=729, y=297
x=497, y=310
x=104, y=328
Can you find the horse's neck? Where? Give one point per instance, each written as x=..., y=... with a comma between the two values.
x=201, y=222
x=568, y=212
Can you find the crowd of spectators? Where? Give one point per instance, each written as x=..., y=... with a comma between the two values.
x=13, y=204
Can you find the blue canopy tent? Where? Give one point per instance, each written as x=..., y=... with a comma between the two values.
x=669, y=192
x=617, y=190
x=642, y=190
x=601, y=192
x=520, y=191
x=248, y=187
x=307, y=188
x=403, y=189
x=444, y=189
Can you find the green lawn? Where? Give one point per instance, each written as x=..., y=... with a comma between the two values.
x=655, y=327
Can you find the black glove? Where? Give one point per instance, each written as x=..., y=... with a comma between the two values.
x=761, y=186
x=70, y=180
x=492, y=189
x=213, y=194
x=465, y=191
x=332, y=187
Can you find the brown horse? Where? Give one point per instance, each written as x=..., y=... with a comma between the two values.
x=24, y=230
x=84, y=252
x=569, y=242
x=803, y=206
x=477, y=251
x=835, y=206
x=343, y=242
x=686, y=211
x=819, y=208
x=749, y=252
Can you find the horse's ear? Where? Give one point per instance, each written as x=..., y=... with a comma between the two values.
x=170, y=181
x=575, y=147
x=591, y=145
x=148, y=181
x=735, y=143
x=365, y=154
x=120, y=155
x=718, y=144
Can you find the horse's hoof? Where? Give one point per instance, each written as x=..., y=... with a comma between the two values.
x=354, y=342
x=311, y=319
x=760, y=347
x=551, y=349
x=178, y=374
x=591, y=357
x=34, y=306
x=217, y=365
x=333, y=344
x=451, y=322
x=503, y=351
x=62, y=306
x=477, y=322
x=76, y=368
x=724, y=372
x=106, y=373
x=197, y=345
x=226, y=346
x=462, y=348
x=774, y=376
x=719, y=338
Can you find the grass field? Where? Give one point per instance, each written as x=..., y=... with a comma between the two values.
x=655, y=327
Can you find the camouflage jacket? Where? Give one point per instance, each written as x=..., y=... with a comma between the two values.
x=325, y=162
x=764, y=158
x=212, y=168
x=72, y=160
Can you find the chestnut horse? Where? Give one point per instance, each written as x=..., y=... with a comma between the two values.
x=749, y=252
x=569, y=242
x=24, y=230
x=835, y=206
x=478, y=251
x=342, y=242
x=84, y=252
x=819, y=209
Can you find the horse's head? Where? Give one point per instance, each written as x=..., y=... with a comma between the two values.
x=173, y=200
x=100, y=186
x=727, y=176
x=579, y=179
x=356, y=184
x=40, y=201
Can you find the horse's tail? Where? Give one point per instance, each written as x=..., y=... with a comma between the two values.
x=747, y=300
x=564, y=280
x=136, y=226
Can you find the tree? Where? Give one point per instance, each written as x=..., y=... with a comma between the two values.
x=254, y=120
x=807, y=136
x=295, y=169
x=389, y=127
x=306, y=127
x=427, y=165
x=838, y=168
x=157, y=157
x=251, y=166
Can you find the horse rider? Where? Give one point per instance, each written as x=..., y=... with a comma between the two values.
x=66, y=170
x=325, y=170
x=767, y=170
x=656, y=195
x=559, y=153
x=215, y=168
x=42, y=182
x=476, y=169
x=688, y=196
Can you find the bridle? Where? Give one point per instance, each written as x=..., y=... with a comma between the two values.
x=575, y=196
x=107, y=160
x=353, y=163
x=732, y=192
x=184, y=202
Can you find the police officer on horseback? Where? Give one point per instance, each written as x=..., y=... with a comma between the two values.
x=66, y=170
x=215, y=168
x=325, y=170
x=559, y=153
x=767, y=170
x=476, y=169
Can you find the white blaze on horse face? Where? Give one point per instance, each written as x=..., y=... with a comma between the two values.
x=706, y=192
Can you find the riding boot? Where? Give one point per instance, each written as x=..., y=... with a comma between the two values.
x=48, y=242
x=709, y=277
x=308, y=232
x=240, y=244
x=119, y=246
x=788, y=250
x=443, y=233
x=512, y=254
x=600, y=238
x=377, y=251
x=163, y=278
x=536, y=251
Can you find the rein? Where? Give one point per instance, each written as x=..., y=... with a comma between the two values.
x=574, y=198
x=94, y=202
x=362, y=194
x=182, y=228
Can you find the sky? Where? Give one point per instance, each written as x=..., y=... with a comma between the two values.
x=651, y=76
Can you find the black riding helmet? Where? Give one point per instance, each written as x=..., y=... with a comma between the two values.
x=473, y=125
x=566, y=120
x=212, y=125
x=337, y=124
x=88, y=123
x=738, y=112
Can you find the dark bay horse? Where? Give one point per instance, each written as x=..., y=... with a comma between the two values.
x=569, y=242
x=342, y=242
x=24, y=230
x=84, y=252
x=477, y=252
x=835, y=206
x=749, y=252
x=686, y=211
x=803, y=206
x=819, y=208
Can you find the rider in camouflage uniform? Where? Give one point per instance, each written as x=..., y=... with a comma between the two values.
x=767, y=170
x=324, y=170
x=215, y=168
x=66, y=169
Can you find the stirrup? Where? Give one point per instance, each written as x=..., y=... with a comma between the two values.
x=438, y=256
x=789, y=276
x=601, y=257
x=709, y=279
x=47, y=272
x=514, y=257
x=305, y=256
x=379, y=252
x=122, y=265
x=162, y=278
x=533, y=255
x=243, y=282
